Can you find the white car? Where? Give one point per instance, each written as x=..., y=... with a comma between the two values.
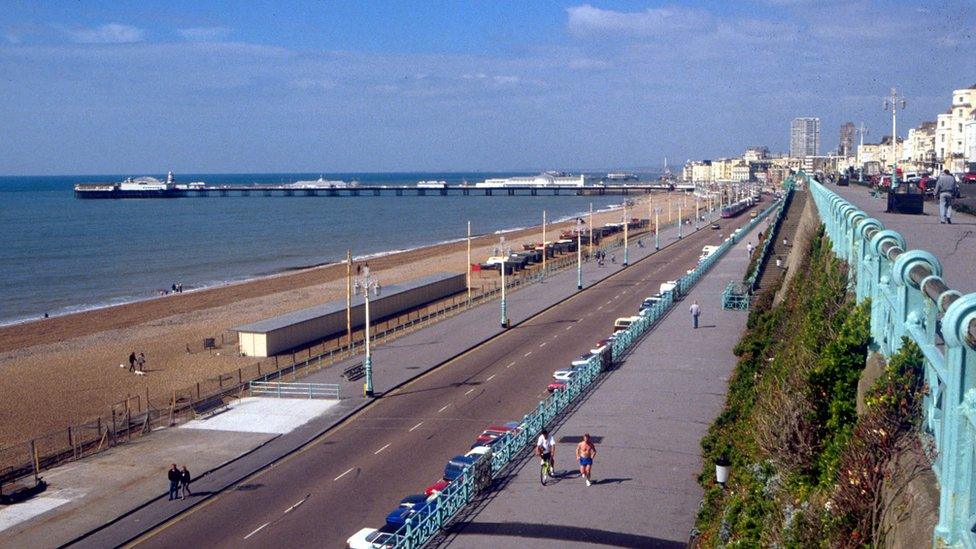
x=371, y=538
x=564, y=375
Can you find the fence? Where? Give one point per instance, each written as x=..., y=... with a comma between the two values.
x=282, y=389
x=423, y=526
x=908, y=297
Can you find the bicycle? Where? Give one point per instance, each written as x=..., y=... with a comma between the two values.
x=545, y=470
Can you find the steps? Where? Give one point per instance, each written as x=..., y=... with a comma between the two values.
x=770, y=272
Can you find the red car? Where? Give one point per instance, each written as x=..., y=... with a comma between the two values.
x=556, y=386
x=436, y=487
x=969, y=177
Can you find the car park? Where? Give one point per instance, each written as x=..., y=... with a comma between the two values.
x=373, y=538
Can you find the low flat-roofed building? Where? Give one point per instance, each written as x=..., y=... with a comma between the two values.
x=280, y=333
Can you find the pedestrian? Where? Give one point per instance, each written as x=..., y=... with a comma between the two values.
x=174, y=477
x=695, y=311
x=786, y=242
x=946, y=189
x=173, y=287
x=132, y=361
x=613, y=258
x=141, y=362
x=585, y=452
x=185, y=483
x=749, y=248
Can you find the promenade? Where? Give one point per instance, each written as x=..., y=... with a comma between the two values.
x=102, y=494
x=954, y=245
x=646, y=417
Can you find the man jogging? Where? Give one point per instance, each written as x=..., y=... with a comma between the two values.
x=695, y=311
x=946, y=189
x=585, y=452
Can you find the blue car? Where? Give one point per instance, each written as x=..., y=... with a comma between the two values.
x=457, y=465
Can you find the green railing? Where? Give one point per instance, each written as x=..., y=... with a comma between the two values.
x=420, y=528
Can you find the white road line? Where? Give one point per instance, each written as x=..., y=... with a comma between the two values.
x=528, y=353
x=383, y=448
x=543, y=344
x=256, y=530
x=510, y=365
x=442, y=409
x=491, y=377
x=471, y=390
x=600, y=308
x=570, y=327
x=343, y=474
x=293, y=506
x=415, y=426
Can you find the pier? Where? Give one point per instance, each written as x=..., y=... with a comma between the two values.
x=83, y=190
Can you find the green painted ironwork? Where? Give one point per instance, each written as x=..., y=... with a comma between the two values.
x=908, y=296
x=734, y=298
x=420, y=528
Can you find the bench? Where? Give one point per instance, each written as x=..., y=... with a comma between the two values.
x=354, y=372
x=209, y=407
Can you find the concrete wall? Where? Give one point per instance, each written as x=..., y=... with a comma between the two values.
x=389, y=303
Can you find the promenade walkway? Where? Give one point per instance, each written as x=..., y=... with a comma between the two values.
x=954, y=245
x=647, y=417
x=128, y=482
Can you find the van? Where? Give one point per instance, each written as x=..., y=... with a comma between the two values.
x=706, y=251
x=623, y=323
x=668, y=286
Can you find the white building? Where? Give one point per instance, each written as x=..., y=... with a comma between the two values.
x=547, y=179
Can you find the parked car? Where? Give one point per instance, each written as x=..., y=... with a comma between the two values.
x=716, y=226
x=398, y=517
x=667, y=286
x=583, y=360
x=373, y=538
x=556, y=386
x=437, y=487
x=968, y=177
x=491, y=434
x=623, y=323
x=601, y=345
x=456, y=466
x=565, y=374
x=651, y=301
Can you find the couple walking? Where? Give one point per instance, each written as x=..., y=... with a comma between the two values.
x=179, y=481
x=545, y=448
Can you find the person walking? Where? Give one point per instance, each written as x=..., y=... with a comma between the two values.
x=185, y=483
x=585, y=452
x=749, y=248
x=141, y=362
x=946, y=189
x=132, y=361
x=695, y=311
x=174, y=477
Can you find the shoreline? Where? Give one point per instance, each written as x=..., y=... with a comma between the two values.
x=124, y=301
x=60, y=327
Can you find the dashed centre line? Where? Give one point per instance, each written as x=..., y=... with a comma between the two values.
x=491, y=377
x=528, y=353
x=256, y=530
x=383, y=448
x=570, y=327
x=511, y=364
x=340, y=476
x=415, y=426
x=543, y=344
x=471, y=390
x=296, y=505
x=442, y=409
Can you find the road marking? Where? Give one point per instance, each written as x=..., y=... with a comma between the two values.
x=296, y=505
x=511, y=364
x=609, y=302
x=570, y=327
x=415, y=426
x=256, y=530
x=442, y=409
x=600, y=308
x=471, y=390
x=383, y=448
x=543, y=344
x=528, y=353
x=343, y=474
x=491, y=377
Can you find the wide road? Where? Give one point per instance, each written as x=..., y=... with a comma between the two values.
x=352, y=476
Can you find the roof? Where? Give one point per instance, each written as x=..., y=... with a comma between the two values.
x=303, y=315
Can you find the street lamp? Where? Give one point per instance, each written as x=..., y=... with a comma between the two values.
x=894, y=101
x=364, y=284
x=657, y=230
x=626, y=240
x=503, y=250
x=579, y=252
x=679, y=220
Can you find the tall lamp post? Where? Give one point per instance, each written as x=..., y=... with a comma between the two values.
x=657, y=230
x=893, y=101
x=679, y=220
x=626, y=233
x=503, y=250
x=579, y=252
x=364, y=284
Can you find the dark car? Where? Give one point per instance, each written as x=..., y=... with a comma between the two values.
x=968, y=177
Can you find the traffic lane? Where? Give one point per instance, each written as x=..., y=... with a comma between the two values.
x=256, y=510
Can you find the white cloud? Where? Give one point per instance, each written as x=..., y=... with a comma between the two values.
x=204, y=34
x=587, y=19
x=111, y=33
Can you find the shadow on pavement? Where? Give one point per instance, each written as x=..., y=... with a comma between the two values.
x=563, y=532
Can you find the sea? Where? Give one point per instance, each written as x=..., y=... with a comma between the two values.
x=61, y=255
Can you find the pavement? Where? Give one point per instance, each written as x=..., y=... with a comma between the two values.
x=120, y=490
x=647, y=417
x=954, y=245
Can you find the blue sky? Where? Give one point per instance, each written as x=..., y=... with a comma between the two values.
x=395, y=86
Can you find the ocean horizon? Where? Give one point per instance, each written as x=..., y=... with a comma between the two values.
x=64, y=255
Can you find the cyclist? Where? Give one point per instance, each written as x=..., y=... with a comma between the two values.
x=545, y=448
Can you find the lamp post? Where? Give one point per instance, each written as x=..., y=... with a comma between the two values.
x=365, y=283
x=657, y=230
x=679, y=220
x=503, y=250
x=579, y=252
x=543, y=244
x=697, y=215
x=626, y=240
x=893, y=101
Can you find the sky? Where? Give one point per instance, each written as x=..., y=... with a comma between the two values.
x=222, y=86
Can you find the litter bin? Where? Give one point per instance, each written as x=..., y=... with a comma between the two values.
x=905, y=199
